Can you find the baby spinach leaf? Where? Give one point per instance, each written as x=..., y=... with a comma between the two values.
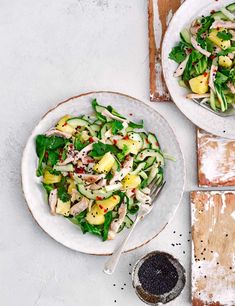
x=116, y=126
x=224, y=35
x=89, y=228
x=53, y=157
x=48, y=188
x=220, y=78
x=134, y=125
x=63, y=194
x=177, y=53
x=121, y=155
x=107, y=222
x=114, y=112
x=99, y=149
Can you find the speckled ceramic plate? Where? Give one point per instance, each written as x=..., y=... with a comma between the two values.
x=206, y=120
x=69, y=234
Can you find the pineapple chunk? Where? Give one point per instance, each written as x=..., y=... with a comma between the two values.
x=133, y=145
x=225, y=61
x=131, y=181
x=223, y=44
x=94, y=216
x=108, y=204
x=49, y=178
x=63, y=208
x=63, y=126
x=105, y=164
x=199, y=84
x=72, y=186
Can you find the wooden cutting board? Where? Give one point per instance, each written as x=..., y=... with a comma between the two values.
x=213, y=248
x=159, y=16
x=216, y=160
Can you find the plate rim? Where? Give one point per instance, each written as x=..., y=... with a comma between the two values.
x=150, y=108
x=176, y=15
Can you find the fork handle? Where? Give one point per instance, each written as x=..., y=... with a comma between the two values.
x=112, y=262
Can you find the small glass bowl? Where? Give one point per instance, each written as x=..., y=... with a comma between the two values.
x=152, y=299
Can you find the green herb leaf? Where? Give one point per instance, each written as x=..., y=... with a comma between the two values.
x=220, y=78
x=89, y=228
x=79, y=145
x=116, y=126
x=177, y=53
x=48, y=188
x=224, y=35
x=99, y=149
x=125, y=151
x=53, y=157
x=63, y=194
x=134, y=125
x=114, y=112
x=107, y=222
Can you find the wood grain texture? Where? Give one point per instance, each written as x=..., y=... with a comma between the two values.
x=216, y=160
x=213, y=248
x=159, y=15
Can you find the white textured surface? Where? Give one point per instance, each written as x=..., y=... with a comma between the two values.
x=51, y=50
x=200, y=116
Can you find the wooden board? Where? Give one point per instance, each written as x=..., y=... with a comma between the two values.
x=213, y=248
x=159, y=15
x=216, y=160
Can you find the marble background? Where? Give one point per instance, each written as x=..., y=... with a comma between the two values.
x=51, y=50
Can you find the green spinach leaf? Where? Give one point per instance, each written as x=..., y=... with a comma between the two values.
x=107, y=222
x=99, y=149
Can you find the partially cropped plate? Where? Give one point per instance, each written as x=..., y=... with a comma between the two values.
x=69, y=234
x=203, y=118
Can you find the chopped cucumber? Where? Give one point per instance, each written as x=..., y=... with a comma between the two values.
x=143, y=175
x=64, y=168
x=137, y=137
x=153, y=173
x=95, y=127
x=139, y=168
x=75, y=122
x=93, y=194
x=103, y=130
x=231, y=7
x=212, y=100
x=149, y=162
x=128, y=222
x=153, y=141
x=219, y=15
x=185, y=36
x=146, y=144
x=150, y=152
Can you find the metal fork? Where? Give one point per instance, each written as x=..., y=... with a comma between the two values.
x=227, y=113
x=144, y=210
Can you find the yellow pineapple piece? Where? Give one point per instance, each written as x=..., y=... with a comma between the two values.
x=133, y=145
x=63, y=126
x=94, y=216
x=105, y=164
x=225, y=61
x=223, y=44
x=108, y=204
x=49, y=178
x=63, y=208
x=131, y=181
x=199, y=84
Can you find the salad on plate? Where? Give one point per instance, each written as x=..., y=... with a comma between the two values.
x=96, y=169
x=205, y=55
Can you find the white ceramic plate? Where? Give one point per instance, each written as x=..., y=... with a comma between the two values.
x=69, y=234
x=206, y=120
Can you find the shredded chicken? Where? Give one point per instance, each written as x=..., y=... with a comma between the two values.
x=58, y=133
x=180, y=70
x=231, y=87
x=233, y=33
x=142, y=198
x=116, y=223
x=79, y=207
x=197, y=96
x=199, y=48
x=53, y=198
x=106, y=113
x=82, y=155
x=223, y=24
x=91, y=178
x=127, y=166
x=213, y=71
